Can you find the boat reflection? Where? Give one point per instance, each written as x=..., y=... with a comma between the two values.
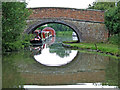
x=38, y=47
x=75, y=38
x=44, y=54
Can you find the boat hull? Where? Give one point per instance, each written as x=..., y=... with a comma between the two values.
x=36, y=41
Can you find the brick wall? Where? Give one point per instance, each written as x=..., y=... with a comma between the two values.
x=79, y=14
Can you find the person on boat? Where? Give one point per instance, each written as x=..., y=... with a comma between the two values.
x=37, y=37
x=40, y=34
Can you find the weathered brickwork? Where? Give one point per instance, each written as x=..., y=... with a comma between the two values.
x=92, y=32
x=88, y=24
x=79, y=14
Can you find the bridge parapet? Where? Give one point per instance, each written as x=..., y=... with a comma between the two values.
x=77, y=14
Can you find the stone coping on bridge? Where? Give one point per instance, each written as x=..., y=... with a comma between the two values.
x=66, y=8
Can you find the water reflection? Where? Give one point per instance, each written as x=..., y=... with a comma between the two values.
x=50, y=41
x=19, y=68
x=52, y=53
x=37, y=48
x=84, y=68
x=59, y=50
x=52, y=59
x=11, y=78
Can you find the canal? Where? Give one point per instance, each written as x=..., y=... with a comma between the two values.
x=53, y=65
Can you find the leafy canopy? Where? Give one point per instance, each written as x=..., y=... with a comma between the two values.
x=14, y=15
x=101, y=5
x=112, y=19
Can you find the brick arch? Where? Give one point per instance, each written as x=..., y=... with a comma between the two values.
x=88, y=24
x=34, y=26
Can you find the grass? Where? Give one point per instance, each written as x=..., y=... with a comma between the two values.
x=104, y=47
x=91, y=52
x=61, y=33
x=111, y=47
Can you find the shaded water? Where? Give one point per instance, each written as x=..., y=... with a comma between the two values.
x=52, y=64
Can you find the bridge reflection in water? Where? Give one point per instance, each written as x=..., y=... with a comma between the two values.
x=84, y=68
x=73, y=68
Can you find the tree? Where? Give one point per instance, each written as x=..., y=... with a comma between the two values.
x=101, y=5
x=14, y=15
x=112, y=15
x=112, y=20
x=57, y=27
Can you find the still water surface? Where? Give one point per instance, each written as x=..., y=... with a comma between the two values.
x=52, y=64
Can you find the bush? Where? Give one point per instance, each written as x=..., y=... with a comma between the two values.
x=112, y=20
x=114, y=39
x=14, y=15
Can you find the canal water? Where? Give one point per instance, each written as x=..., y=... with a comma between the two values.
x=53, y=65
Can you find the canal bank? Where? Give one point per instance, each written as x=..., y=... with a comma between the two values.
x=108, y=49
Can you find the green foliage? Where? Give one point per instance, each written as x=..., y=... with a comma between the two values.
x=112, y=20
x=61, y=33
x=26, y=39
x=14, y=15
x=101, y=5
x=57, y=27
x=114, y=39
x=41, y=28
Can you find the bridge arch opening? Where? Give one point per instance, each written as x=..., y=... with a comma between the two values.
x=33, y=27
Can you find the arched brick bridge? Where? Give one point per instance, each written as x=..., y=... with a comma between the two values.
x=88, y=24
